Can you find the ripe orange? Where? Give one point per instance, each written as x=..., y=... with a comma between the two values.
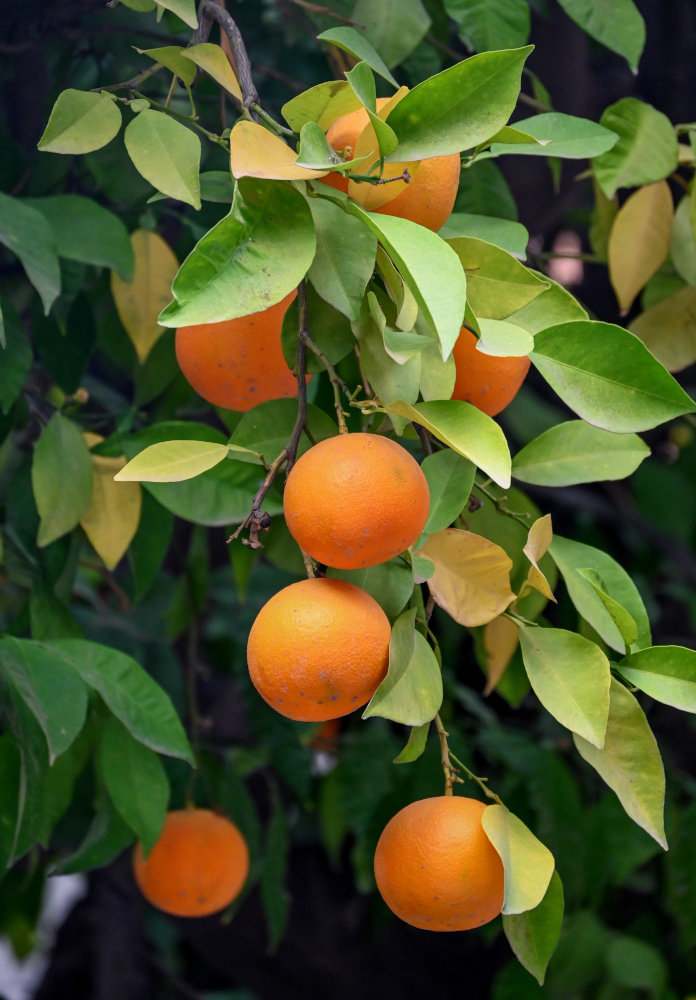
x=318, y=649
x=237, y=363
x=355, y=500
x=489, y=382
x=197, y=867
x=429, y=197
x=436, y=868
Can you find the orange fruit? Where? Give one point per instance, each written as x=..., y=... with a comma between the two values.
x=356, y=500
x=198, y=865
x=318, y=649
x=427, y=199
x=489, y=382
x=435, y=867
x=237, y=363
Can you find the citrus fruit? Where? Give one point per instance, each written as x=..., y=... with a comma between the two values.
x=489, y=382
x=427, y=199
x=355, y=500
x=197, y=867
x=318, y=649
x=435, y=867
x=237, y=363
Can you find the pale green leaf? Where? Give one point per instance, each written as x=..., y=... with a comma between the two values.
x=25, y=232
x=528, y=863
x=621, y=618
x=345, y=257
x=503, y=339
x=557, y=134
x=570, y=676
x=173, y=58
x=511, y=236
x=353, y=42
x=555, y=305
x=418, y=737
x=630, y=762
x=172, y=461
x=577, y=452
x=666, y=673
x=167, y=154
x=213, y=60
x=646, y=151
x=497, y=283
x=80, y=122
x=185, y=9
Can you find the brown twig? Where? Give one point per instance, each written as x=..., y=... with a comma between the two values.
x=337, y=383
x=209, y=11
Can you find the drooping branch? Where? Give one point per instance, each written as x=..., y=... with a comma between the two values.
x=209, y=11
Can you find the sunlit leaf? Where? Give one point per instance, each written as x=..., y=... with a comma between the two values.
x=577, y=452
x=167, y=154
x=528, y=864
x=213, y=60
x=646, y=151
x=172, y=461
x=256, y=152
x=497, y=283
x=80, y=122
x=666, y=673
x=538, y=541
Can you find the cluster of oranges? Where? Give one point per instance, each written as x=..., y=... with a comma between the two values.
x=319, y=648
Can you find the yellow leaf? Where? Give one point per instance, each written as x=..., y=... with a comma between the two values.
x=373, y=196
x=538, y=541
x=256, y=152
x=140, y=301
x=113, y=515
x=668, y=329
x=639, y=240
x=471, y=581
x=213, y=60
x=500, y=640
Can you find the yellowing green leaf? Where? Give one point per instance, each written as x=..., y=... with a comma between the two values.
x=639, y=240
x=630, y=762
x=140, y=301
x=497, y=283
x=528, y=864
x=256, y=152
x=666, y=673
x=668, y=329
x=621, y=618
x=173, y=58
x=213, y=60
x=173, y=461
x=471, y=581
x=500, y=640
x=112, y=517
x=538, y=541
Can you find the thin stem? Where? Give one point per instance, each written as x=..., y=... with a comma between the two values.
x=271, y=122
x=499, y=505
x=481, y=782
x=450, y=772
x=369, y=179
x=514, y=617
x=337, y=382
x=185, y=119
x=134, y=81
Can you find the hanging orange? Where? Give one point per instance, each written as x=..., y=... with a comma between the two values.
x=490, y=383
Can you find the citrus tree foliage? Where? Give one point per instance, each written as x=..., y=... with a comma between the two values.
x=178, y=218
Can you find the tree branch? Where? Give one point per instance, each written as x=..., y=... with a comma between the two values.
x=209, y=11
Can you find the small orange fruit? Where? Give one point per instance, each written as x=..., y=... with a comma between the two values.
x=488, y=382
x=318, y=649
x=435, y=867
x=356, y=500
x=237, y=363
x=427, y=199
x=197, y=867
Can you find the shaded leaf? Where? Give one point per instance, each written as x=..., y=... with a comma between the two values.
x=619, y=25
x=485, y=25
x=533, y=935
x=61, y=478
x=497, y=283
x=25, y=232
x=538, y=541
x=621, y=618
x=415, y=746
x=345, y=257
x=500, y=641
x=393, y=27
x=668, y=329
x=639, y=240
x=140, y=300
x=630, y=762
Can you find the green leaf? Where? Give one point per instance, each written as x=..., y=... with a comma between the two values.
x=630, y=762
x=682, y=249
x=571, y=556
x=528, y=864
x=61, y=478
x=450, y=478
x=10, y=791
x=87, y=232
x=218, y=186
x=666, y=673
x=560, y=135
x=570, y=676
x=618, y=25
x=172, y=461
x=490, y=24
x=171, y=57
x=345, y=257
x=212, y=59
x=322, y=104
x=504, y=233
x=621, y=618
x=219, y=497
x=129, y=693
x=80, y=122
x=608, y=377
x=427, y=264
x=185, y=9
x=167, y=154
x=466, y=430
x=393, y=27
x=497, y=283
x=634, y=963
x=26, y=233
x=668, y=329
x=136, y=782
x=16, y=357
x=503, y=340
x=418, y=737
x=411, y=693
x=250, y=260
x=390, y=583
x=577, y=452
x=555, y=305
x=266, y=428
x=108, y=835
x=353, y=42
x=459, y=108
x=647, y=149
x=52, y=691
x=533, y=935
